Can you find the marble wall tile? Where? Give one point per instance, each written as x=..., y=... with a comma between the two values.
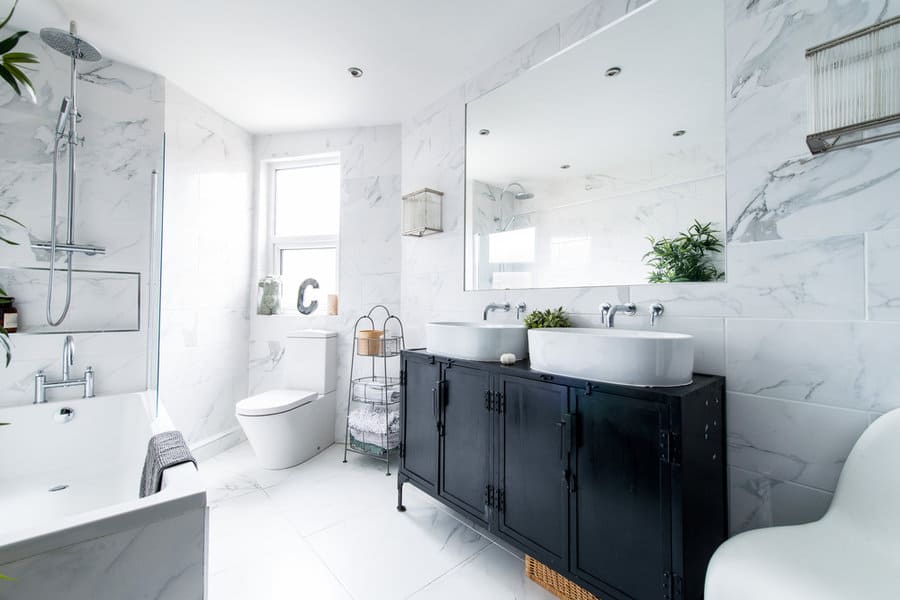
x=757, y=501
x=844, y=364
x=883, y=264
x=791, y=441
x=204, y=320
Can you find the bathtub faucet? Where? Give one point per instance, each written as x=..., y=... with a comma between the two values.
x=41, y=385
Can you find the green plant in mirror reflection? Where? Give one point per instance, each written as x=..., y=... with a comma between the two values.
x=686, y=257
x=555, y=317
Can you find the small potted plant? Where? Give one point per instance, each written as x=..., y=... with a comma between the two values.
x=552, y=317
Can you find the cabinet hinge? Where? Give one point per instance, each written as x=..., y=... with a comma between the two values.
x=571, y=482
x=489, y=496
x=668, y=448
x=500, y=402
x=672, y=586
x=488, y=400
x=501, y=501
x=403, y=377
x=588, y=389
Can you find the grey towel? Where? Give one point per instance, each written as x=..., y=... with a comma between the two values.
x=166, y=449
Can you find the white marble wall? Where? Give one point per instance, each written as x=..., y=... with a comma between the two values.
x=806, y=327
x=369, y=252
x=123, y=124
x=206, y=262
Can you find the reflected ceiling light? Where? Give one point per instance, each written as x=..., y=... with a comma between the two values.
x=484, y=132
x=679, y=133
x=613, y=71
x=565, y=166
x=355, y=72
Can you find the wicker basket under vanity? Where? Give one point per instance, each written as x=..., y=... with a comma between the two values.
x=555, y=583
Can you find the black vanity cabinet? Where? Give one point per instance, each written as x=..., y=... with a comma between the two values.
x=620, y=489
x=531, y=495
x=465, y=436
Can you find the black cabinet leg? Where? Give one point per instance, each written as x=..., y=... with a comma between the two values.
x=400, y=506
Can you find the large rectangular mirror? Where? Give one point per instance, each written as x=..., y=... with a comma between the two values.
x=612, y=149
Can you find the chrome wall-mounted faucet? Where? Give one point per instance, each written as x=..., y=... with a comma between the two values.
x=41, y=385
x=656, y=311
x=492, y=307
x=608, y=312
x=521, y=307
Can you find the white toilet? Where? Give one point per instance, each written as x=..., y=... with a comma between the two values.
x=288, y=426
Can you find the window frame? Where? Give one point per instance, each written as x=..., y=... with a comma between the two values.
x=276, y=244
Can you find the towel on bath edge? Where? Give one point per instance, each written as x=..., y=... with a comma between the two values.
x=166, y=449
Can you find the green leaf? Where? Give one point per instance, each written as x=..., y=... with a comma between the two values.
x=21, y=77
x=9, y=43
x=7, y=76
x=4, y=343
x=22, y=58
x=9, y=16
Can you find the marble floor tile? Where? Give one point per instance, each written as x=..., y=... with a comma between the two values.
x=247, y=527
x=492, y=574
x=296, y=574
x=330, y=530
x=364, y=552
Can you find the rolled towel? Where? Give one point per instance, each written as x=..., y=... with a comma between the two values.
x=166, y=449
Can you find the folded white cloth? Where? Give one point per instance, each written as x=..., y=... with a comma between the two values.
x=375, y=419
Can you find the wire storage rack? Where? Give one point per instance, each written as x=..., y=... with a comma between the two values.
x=373, y=400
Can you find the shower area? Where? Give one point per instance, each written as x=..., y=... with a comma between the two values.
x=142, y=197
x=503, y=243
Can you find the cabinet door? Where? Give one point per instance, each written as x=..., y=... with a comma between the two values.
x=465, y=440
x=533, y=512
x=420, y=418
x=621, y=529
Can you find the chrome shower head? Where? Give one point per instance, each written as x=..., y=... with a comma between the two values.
x=68, y=43
x=523, y=195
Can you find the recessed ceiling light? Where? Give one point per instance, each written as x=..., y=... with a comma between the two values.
x=565, y=166
x=355, y=72
x=613, y=71
x=679, y=133
x=484, y=132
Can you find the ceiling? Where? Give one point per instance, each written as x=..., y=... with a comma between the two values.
x=281, y=65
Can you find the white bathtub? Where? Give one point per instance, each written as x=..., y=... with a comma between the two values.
x=62, y=544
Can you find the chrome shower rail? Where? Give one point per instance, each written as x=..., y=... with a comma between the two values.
x=82, y=248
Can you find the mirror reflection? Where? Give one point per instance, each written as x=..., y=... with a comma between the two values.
x=606, y=164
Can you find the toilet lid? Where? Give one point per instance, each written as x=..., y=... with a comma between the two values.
x=274, y=402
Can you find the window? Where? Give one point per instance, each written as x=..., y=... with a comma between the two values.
x=304, y=209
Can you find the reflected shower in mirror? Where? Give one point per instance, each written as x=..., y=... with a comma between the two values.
x=605, y=165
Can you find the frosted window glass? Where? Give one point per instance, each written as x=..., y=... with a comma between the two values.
x=307, y=201
x=515, y=246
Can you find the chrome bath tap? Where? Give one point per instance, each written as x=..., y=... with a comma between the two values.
x=41, y=385
x=608, y=312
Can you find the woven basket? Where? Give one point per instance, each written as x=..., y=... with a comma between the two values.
x=555, y=583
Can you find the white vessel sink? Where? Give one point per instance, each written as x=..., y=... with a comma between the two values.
x=476, y=341
x=627, y=357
